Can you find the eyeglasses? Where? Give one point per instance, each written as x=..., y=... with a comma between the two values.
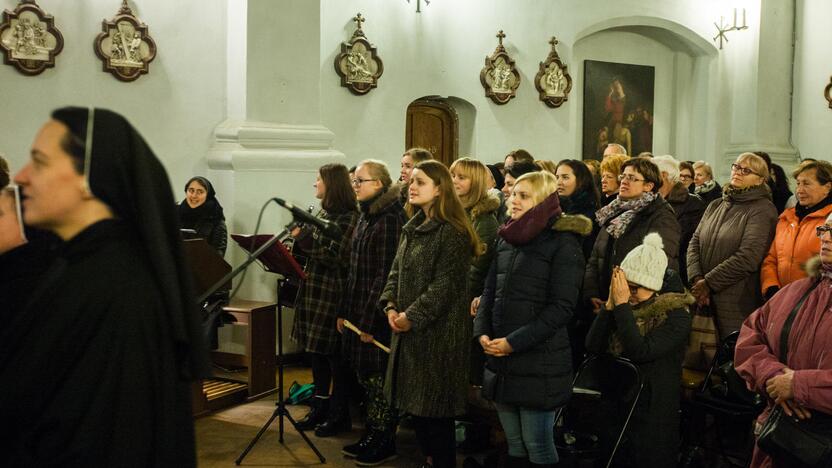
x=821, y=230
x=358, y=182
x=633, y=288
x=630, y=178
x=685, y=176
x=742, y=170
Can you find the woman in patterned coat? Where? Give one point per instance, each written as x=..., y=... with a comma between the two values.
x=326, y=277
x=428, y=314
x=373, y=249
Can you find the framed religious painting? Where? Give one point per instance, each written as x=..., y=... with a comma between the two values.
x=552, y=81
x=500, y=77
x=358, y=64
x=618, y=107
x=29, y=39
x=125, y=46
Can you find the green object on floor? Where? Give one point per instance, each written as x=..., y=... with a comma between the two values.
x=300, y=393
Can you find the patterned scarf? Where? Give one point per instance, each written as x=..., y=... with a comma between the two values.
x=621, y=213
x=706, y=187
x=729, y=191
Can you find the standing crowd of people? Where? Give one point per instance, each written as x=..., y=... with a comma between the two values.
x=501, y=276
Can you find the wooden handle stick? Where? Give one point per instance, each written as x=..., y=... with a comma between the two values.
x=352, y=327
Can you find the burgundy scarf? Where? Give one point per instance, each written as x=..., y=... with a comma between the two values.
x=532, y=223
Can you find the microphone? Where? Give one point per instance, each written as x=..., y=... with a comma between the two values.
x=304, y=216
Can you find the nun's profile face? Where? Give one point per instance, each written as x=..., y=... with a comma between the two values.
x=10, y=233
x=53, y=191
x=196, y=194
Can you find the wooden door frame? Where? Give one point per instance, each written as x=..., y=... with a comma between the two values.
x=439, y=103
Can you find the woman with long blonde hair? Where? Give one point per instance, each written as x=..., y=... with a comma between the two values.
x=427, y=314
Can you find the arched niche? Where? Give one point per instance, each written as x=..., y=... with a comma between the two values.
x=443, y=125
x=686, y=83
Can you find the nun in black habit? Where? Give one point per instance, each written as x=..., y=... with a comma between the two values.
x=98, y=370
x=202, y=212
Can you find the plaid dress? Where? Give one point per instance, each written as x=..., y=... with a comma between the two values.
x=374, y=244
x=318, y=296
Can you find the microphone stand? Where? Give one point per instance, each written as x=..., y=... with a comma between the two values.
x=280, y=410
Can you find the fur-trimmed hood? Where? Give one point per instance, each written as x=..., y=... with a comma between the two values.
x=652, y=314
x=383, y=201
x=578, y=224
x=486, y=205
x=812, y=267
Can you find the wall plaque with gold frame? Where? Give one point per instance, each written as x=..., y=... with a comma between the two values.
x=552, y=80
x=358, y=64
x=125, y=46
x=500, y=77
x=827, y=92
x=29, y=38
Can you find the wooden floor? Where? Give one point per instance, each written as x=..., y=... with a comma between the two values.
x=223, y=435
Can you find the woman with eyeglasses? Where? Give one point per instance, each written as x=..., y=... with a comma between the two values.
x=728, y=246
x=373, y=249
x=202, y=212
x=686, y=175
x=794, y=239
x=798, y=383
x=638, y=211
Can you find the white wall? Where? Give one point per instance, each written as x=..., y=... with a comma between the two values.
x=441, y=51
x=812, y=121
x=175, y=107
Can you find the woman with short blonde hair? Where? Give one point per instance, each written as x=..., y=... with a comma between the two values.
x=704, y=184
x=610, y=169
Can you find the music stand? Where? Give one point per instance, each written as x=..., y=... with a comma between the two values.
x=275, y=258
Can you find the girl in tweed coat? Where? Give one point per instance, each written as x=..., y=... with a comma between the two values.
x=326, y=276
x=428, y=313
x=373, y=249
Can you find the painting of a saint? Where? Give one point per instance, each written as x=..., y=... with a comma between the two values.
x=618, y=107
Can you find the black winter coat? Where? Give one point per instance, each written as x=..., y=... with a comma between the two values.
x=653, y=335
x=530, y=295
x=689, y=209
x=609, y=252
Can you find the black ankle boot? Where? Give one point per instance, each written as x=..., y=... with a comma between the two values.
x=316, y=415
x=366, y=440
x=337, y=421
x=381, y=449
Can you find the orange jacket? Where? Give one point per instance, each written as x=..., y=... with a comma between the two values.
x=794, y=243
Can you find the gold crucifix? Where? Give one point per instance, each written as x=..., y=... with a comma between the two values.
x=358, y=20
x=501, y=35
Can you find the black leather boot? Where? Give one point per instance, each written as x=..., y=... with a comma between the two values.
x=381, y=449
x=316, y=415
x=336, y=422
x=366, y=440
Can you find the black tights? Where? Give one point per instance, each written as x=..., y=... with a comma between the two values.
x=321, y=373
x=437, y=439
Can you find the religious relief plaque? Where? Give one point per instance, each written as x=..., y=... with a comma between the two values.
x=500, y=77
x=826, y=92
x=358, y=64
x=552, y=80
x=29, y=39
x=125, y=46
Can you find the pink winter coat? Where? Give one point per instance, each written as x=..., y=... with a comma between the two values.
x=810, y=348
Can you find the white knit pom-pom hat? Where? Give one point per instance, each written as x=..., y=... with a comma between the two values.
x=645, y=265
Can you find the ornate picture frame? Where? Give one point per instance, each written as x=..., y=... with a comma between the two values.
x=29, y=39
x=827, y=92
x=125, y=46
x=358, y=64
x=500, y=77
x=553, y=81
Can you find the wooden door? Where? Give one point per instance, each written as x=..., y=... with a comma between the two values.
x=433, y=124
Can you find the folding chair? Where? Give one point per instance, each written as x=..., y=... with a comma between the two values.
x=586, y=429
x=724, y=396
